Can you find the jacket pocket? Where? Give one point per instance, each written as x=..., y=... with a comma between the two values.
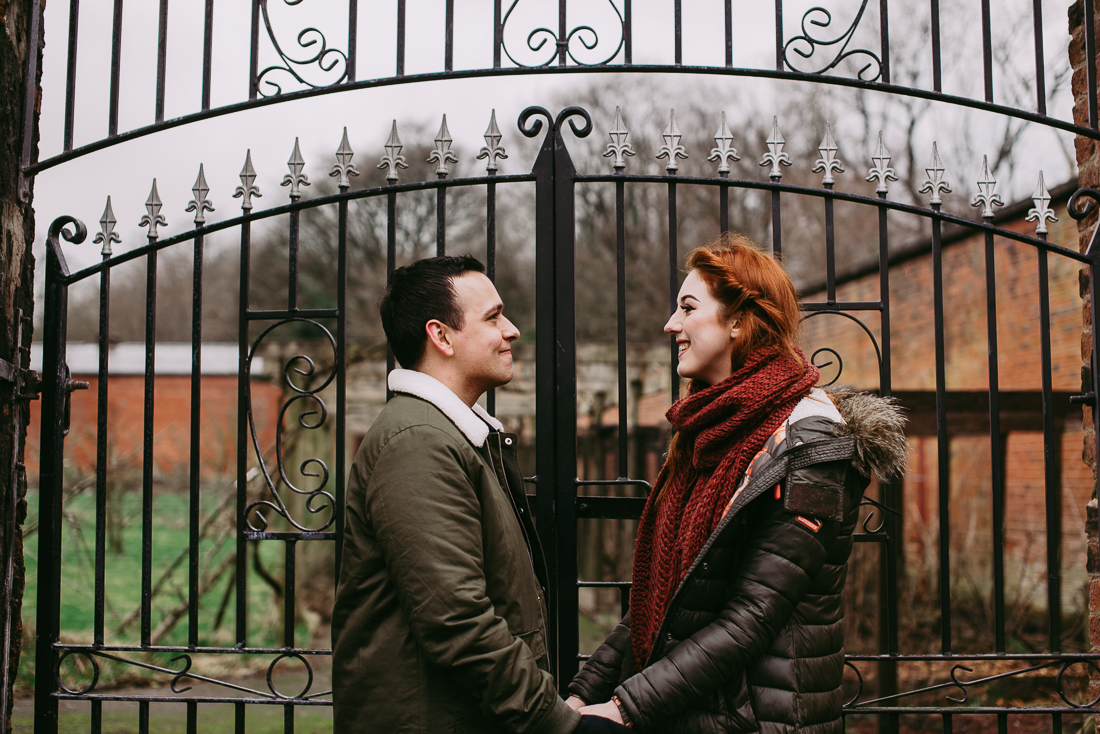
x=738, y=706
x=536, y=643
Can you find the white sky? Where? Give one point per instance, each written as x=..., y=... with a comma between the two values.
x=126, y=171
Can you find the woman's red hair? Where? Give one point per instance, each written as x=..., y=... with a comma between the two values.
x=753, y=284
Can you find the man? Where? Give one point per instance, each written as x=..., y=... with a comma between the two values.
x=439, y=623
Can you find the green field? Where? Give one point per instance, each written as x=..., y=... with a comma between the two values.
x=122, y=582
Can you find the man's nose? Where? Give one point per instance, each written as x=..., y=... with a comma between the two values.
x=509, y=332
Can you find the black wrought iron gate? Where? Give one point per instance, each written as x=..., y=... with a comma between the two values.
x=272, y=510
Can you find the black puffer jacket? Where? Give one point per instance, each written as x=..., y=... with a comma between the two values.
x=753, y=640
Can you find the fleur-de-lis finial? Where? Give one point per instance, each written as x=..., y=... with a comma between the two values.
x=935, y=184
x=248, y=187
x=775, y=155
x=620, y=143
x=393, y=158
x=344, y=168
x=828, y=162
x=199, y=204
x=107, y=233
x=492, y=149
x=1041, y=213
x=881, y=170
x=153, y=218
x=987, y=196
x=725, y=153
x=296, y=179
x=443, y=153
x=672, y=148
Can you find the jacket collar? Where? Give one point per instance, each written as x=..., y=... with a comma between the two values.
x=473, y=422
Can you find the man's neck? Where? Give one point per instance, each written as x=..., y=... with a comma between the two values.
x=467, y=394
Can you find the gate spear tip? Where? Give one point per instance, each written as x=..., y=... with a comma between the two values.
x=248, y=187
x=107, y=235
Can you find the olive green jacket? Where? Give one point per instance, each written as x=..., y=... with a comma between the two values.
x=439, y=621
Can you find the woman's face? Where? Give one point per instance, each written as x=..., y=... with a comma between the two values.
x=703, y=335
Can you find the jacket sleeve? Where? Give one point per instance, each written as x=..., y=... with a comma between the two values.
x=597, y=679
x=427, y=519
x=777, y=565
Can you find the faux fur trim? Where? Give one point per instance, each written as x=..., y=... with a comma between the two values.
x=473, y=422
x=878, y=426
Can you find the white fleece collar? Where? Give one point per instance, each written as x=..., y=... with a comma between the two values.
x=816, y=403
x=473, y=422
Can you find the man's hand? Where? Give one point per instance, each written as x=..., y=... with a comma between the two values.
x=575, y=702
x=607, y=710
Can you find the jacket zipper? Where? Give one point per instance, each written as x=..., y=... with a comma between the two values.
x=522, y=529
x=747, y=495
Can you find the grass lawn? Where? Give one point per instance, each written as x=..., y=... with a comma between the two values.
x=122, y=595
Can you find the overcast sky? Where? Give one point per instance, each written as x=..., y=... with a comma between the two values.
x=126, y=171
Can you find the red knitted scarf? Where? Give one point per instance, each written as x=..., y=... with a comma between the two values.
x=727, y=423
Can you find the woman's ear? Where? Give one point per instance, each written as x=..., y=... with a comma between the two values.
x=735, y=325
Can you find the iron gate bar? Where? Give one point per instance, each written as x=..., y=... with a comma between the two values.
x=1040, y=70
x=116, y=68
x=32, y=169
x=147, y=443
x=196, y=443
x=70, y=79
x=55, y=385
x=101, y=430
x=207, y=54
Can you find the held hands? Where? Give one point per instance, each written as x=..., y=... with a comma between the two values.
x=607, y=710
x=575, y=702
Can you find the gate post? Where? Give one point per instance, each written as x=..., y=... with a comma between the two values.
x=556, y=380
x=1083, y=22
x=56, y=386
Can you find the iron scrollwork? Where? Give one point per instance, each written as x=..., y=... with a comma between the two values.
x=185, y=673
x=585, y=34
x=963, y=686
x=316, y=53
x=568, y=113
x=806, y=45
x=312, y=418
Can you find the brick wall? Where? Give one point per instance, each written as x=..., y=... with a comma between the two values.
x=171, y=425
x=1088, y=166
x=967, y=369
x=16, y=293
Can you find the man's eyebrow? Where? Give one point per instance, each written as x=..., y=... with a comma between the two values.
x=494, y=310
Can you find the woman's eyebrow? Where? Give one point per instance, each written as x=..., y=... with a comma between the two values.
x=687, y=296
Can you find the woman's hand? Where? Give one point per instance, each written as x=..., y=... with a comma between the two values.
x=575, y=702
x=607, y=710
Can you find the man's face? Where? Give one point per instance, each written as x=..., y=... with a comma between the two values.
x=483, y=347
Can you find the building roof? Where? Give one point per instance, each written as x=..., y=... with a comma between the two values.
x=128, y=358
x=952, y=233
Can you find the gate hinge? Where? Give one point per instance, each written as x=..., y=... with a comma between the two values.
x=1088, y=398
x=28, y=382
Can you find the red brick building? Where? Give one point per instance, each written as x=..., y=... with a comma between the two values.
x=913, y=371
x=171, y=408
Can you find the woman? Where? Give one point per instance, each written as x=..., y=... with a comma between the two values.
x=736, y=616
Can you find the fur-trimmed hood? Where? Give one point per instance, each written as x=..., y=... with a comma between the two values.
x=878, y=426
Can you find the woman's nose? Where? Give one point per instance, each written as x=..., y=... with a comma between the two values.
x=672, y=325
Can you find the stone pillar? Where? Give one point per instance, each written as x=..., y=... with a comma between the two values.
x=1088, y=165
x=16, y=294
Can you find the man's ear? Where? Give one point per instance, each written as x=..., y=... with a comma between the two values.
x=439, y=337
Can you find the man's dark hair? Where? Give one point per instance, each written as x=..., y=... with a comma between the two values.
x=418, y=293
